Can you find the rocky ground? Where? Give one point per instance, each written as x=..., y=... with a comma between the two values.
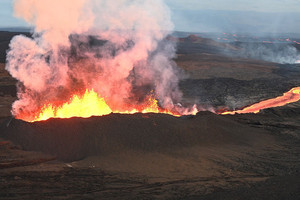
x=208, y=156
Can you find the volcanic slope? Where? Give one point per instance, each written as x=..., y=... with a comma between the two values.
x=156, y=156
x=158, y=146
x=146, y=155
x=77, y=138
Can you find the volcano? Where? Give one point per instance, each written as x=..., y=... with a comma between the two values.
x=204, y=155
x=103, y=101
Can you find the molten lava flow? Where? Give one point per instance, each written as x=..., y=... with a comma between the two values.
x=289, y=97
x=90, y=104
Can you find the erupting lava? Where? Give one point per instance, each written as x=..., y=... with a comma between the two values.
x=113, y=52
x=90, y=104
x=90, y=58
x=289, y=97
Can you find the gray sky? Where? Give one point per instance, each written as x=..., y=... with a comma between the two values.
x=214, y=15
x=6, y=15
x=237, y=5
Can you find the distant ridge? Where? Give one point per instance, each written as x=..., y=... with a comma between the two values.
x=16, y=29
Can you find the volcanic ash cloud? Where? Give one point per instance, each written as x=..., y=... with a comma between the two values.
x=117, y=48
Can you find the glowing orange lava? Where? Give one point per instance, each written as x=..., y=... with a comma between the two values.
x=289, y=97
x=90, y=104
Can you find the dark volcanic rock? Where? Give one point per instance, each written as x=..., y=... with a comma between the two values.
x=13, y=156
x=275, y=188
x=194, y=44
x=232, y=92
x=76, y=138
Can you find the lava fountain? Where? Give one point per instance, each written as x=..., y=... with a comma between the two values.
x=291, y=96
x=90, y=58
x=91, y=104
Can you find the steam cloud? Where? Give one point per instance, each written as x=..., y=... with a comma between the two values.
x=117, y=48
x=279, y=53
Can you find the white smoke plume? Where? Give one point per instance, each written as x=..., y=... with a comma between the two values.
x=279, y=53
x=118, y=48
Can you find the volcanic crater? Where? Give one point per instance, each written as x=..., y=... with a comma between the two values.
x=159, y=156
